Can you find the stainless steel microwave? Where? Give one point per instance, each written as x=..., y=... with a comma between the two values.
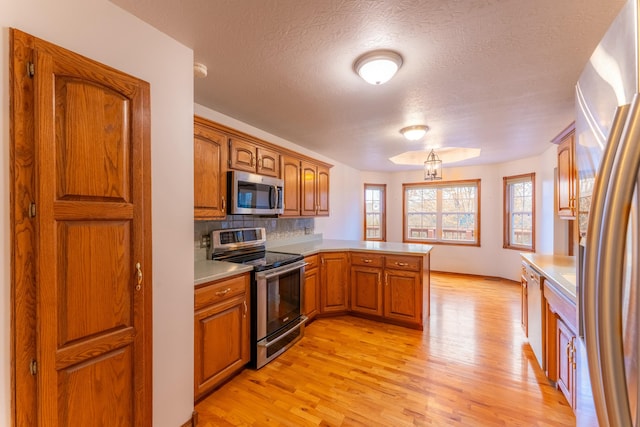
x=252, y=194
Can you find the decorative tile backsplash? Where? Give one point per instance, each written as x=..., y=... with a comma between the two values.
x=276, y=228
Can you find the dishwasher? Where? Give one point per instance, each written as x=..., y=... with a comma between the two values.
x=535, y=315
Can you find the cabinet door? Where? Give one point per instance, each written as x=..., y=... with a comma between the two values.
x=322, y=191
x=565, y=361
x=366, y=290
x=402, y=296
x=242, y=155
x=210, y=177
x=221, y=339
x=308, y=189
x=566, y=178
x=268, y=162
x=334, y=282
x=311, y=293
x=524, y=303
x=291, y=176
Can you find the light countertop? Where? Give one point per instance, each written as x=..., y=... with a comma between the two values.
x=560, y=270
x=207, y=270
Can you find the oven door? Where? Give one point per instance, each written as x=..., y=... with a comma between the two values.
x=280, y=295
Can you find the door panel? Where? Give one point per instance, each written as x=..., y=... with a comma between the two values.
x=91, y=178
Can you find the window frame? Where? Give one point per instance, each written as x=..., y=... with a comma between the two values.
x=506, y=211
x=383, y=212
x=439, y=185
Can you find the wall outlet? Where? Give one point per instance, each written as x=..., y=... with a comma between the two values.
x=205, y=241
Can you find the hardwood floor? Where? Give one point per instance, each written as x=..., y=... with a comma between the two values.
x=471, y=366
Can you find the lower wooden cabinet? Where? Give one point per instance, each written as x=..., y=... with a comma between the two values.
x=334, y=282
x=566, y=360
x=221, y=332
x=311, y=287
x=402, y=296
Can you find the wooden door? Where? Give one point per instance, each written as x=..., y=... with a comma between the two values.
x=308, y=189
x=366, y=290
x=566, y=178
x=92, y=206
x=210, y=171
x=322, y=191
x=291, y=176
x=242, y=155
x=402, y=296
x=334, y=282
x=268, y=162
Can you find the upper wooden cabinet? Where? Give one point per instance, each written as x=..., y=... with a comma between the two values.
x=290, y=169
x=566, y=186
x=246, y=156
x=210, y=171
x=314, y=189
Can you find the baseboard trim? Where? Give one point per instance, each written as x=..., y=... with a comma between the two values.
x=193, y=422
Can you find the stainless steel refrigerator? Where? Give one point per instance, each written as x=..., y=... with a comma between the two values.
x=608, y=161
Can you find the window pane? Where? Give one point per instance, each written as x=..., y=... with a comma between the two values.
x=519, y=192
x=374, y=212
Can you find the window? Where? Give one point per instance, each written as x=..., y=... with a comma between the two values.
x=519, y=212
x=442, y=212
x=374, y=212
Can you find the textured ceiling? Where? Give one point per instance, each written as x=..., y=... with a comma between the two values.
x=491, y=74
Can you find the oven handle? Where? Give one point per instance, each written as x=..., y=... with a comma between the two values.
x=265, y=343
x=268, y=274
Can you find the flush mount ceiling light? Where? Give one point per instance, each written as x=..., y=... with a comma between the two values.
x=378, y=66
x=433, y=167
x=199, y=70
x=414, y=133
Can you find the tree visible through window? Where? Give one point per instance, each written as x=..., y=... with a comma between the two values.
x=519, y=212
x=443, y=212
x=374, y=212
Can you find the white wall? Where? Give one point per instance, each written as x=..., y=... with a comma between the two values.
x=100, y=30
x=345, y=205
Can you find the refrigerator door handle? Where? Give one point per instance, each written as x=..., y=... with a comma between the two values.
x=611, y=272
x=589, y=285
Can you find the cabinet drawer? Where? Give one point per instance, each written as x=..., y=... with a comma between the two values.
x=219, y=291
x=363, y=258
x=312, y=262
x=403, y=262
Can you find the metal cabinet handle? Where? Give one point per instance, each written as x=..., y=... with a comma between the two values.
x=222, y=293
x=244, y=304
x=367, y=261
x=402, y=264
x=224, y=204
x=139, y=273
x=386, y=279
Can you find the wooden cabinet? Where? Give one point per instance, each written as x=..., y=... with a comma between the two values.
x=221, y=332
x=290, y=174
x=566, y=362
x=210, y=172
x=388, y=287
x=311, y=287
x=403, y=289
x=314, y=189
x=334, y=282
x=524, y=303
x=366, y=283
x=561, y=341
x=247, y=156
x=566, y=184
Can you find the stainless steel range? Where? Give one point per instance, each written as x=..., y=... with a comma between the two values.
x=277, y=290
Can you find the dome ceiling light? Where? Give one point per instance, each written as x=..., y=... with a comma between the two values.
x=414, y=133
x=378, y=66
x=199, y=70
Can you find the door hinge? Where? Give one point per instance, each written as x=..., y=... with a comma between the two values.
x=33, y=367
x=32, y=210
x=31, y=69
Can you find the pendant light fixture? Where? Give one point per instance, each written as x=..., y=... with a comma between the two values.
x=414, y=133
x=432, y=167
x=378, y=66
